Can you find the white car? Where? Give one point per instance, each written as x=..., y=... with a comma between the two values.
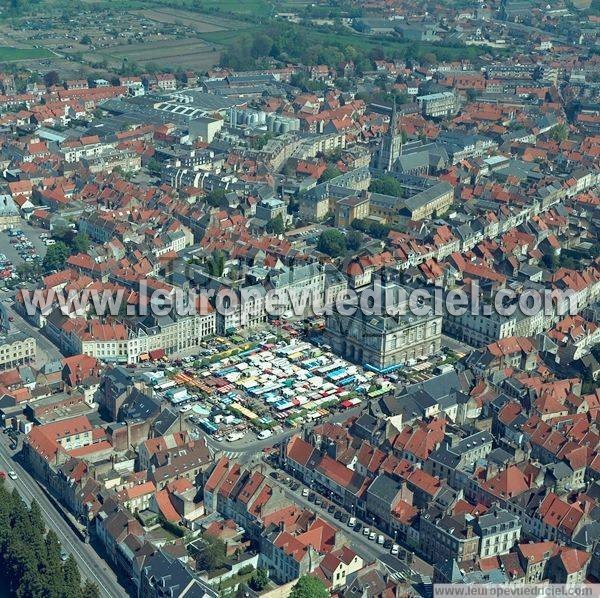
x=12, y=474
x=264, y=434
x=395, y=549
x=305, y=492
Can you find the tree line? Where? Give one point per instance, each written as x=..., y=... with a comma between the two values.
x=30, y=557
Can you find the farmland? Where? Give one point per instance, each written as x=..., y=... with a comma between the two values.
x=10, y=54
x=140, y=37
x=198, y=22
x=192, y=54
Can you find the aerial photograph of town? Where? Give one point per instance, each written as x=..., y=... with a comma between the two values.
x=299, y=298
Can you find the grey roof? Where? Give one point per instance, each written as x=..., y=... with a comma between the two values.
x=164, y=421
x=493, y=520
x=384, y=488
x=170, y=577
x=138, y=406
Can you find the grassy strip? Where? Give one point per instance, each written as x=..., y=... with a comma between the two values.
x=9, y=54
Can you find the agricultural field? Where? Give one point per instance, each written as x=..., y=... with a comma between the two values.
x=198, y=22
x=187, y=54
x=139, y=35
x=11, y=54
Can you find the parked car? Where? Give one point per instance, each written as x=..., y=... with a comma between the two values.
x=372, y=536
x=395, y=549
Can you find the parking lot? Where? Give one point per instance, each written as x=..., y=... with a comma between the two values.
x=19, y=249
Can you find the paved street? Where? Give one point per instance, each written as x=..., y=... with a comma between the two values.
x=456, y=346
x=90, y=564
x=249, y=446
x=46, y=350
x=365, y=548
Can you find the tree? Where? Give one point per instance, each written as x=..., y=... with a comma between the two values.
x=259, y=581
x=56, y=256
x=216, y=264
x=154, y=167
x=261, y=45
x=559, y=132
x=309, y=587
x=51, y=78
x=386, y=186
x=71, y=578
x=214, y=554
x=90, y=590
x=86, y=40
x=30, y=563
x=354, y=240
x=276, y=225
x=216, y=198
x=332, y=242
x=551, y=261
x=330, y=173
x=80, y=243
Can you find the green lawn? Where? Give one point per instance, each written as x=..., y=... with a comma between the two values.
x=259, y=8
x=8, y=54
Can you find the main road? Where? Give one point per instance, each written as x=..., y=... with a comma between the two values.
x=91, y=566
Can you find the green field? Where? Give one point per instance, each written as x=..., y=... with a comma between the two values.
x=258, y=8
x=8, y=54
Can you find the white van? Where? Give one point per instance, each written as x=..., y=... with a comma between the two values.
x=380, y=539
